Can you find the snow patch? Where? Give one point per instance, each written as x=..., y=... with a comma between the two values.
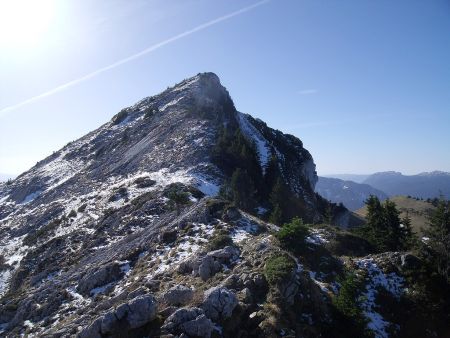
x=261, y=143
x=376, y=278
x=316, y=237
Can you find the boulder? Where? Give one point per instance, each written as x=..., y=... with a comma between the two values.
x=208, y=265
x=208, y=268
x=191, y=321
x=142, y=310
x=104, y=275
x=225, y=255
x=93, y=330
x=135, y=313
x=219, y=303
x=178, y=295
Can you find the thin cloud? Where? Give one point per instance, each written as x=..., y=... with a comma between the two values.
x=308, y=91
x=132, y=57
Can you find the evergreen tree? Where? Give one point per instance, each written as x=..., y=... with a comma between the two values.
x=278, y=200
x=393, y=235
x=438, y=243
x=375, y=230
x=383, y=227
x=242, y=189
x=408, y=236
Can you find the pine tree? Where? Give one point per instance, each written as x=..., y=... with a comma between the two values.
x=438, y=241
x=393, y=234
x=242, y=189
x=375, y=230
x=278, y=200
x=408, y=236
x=383, y=227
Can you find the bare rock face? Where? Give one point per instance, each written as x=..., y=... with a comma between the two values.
x=102, y=276
x=208, y=265
x=191, y=321
x=178, y=295
x=219, y=303
x=135, y=313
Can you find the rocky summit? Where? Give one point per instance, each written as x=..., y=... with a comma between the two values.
x=164, y=222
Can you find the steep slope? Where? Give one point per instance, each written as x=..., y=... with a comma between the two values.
x=102, y=201
x=351, y=194
x=424, y=185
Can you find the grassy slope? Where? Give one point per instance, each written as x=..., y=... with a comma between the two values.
x=417, y=210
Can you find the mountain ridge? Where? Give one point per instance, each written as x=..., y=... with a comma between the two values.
x=157, y=224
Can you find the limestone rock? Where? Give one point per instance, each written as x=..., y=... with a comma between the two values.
x=178, y=295
x=219, y=303
x=191, y=321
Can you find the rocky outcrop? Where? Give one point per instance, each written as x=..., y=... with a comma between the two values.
x=178, y=295
x=101, y=276
x=219, y=303
x=208, y=265
x=135, y=313
x=191, y=321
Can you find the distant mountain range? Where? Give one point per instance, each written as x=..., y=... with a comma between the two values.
x=424, y=185
x=357, y=178
x=349, y=193
x=352, y=190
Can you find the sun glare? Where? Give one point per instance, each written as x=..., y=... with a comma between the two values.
x=24, y=23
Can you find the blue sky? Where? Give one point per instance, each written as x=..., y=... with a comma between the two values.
x=364, y=84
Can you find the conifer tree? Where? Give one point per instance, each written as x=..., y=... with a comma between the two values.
x=438, y=241
x=242, y=189
x=408, y=236
x=278, y=201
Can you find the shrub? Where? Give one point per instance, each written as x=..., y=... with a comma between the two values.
x=292, y=235
x=220, y=240
x=278, y=268
x=348, y=304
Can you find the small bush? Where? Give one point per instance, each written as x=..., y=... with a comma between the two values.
x=220, y=240
x=348, y=303
x=292, y=235
x=278, y=268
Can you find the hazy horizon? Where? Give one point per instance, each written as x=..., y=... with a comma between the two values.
x=363, y=84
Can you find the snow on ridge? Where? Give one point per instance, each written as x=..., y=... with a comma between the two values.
x=171, y=103
x=316, y=237
x=261, y=143
x=390, y=282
